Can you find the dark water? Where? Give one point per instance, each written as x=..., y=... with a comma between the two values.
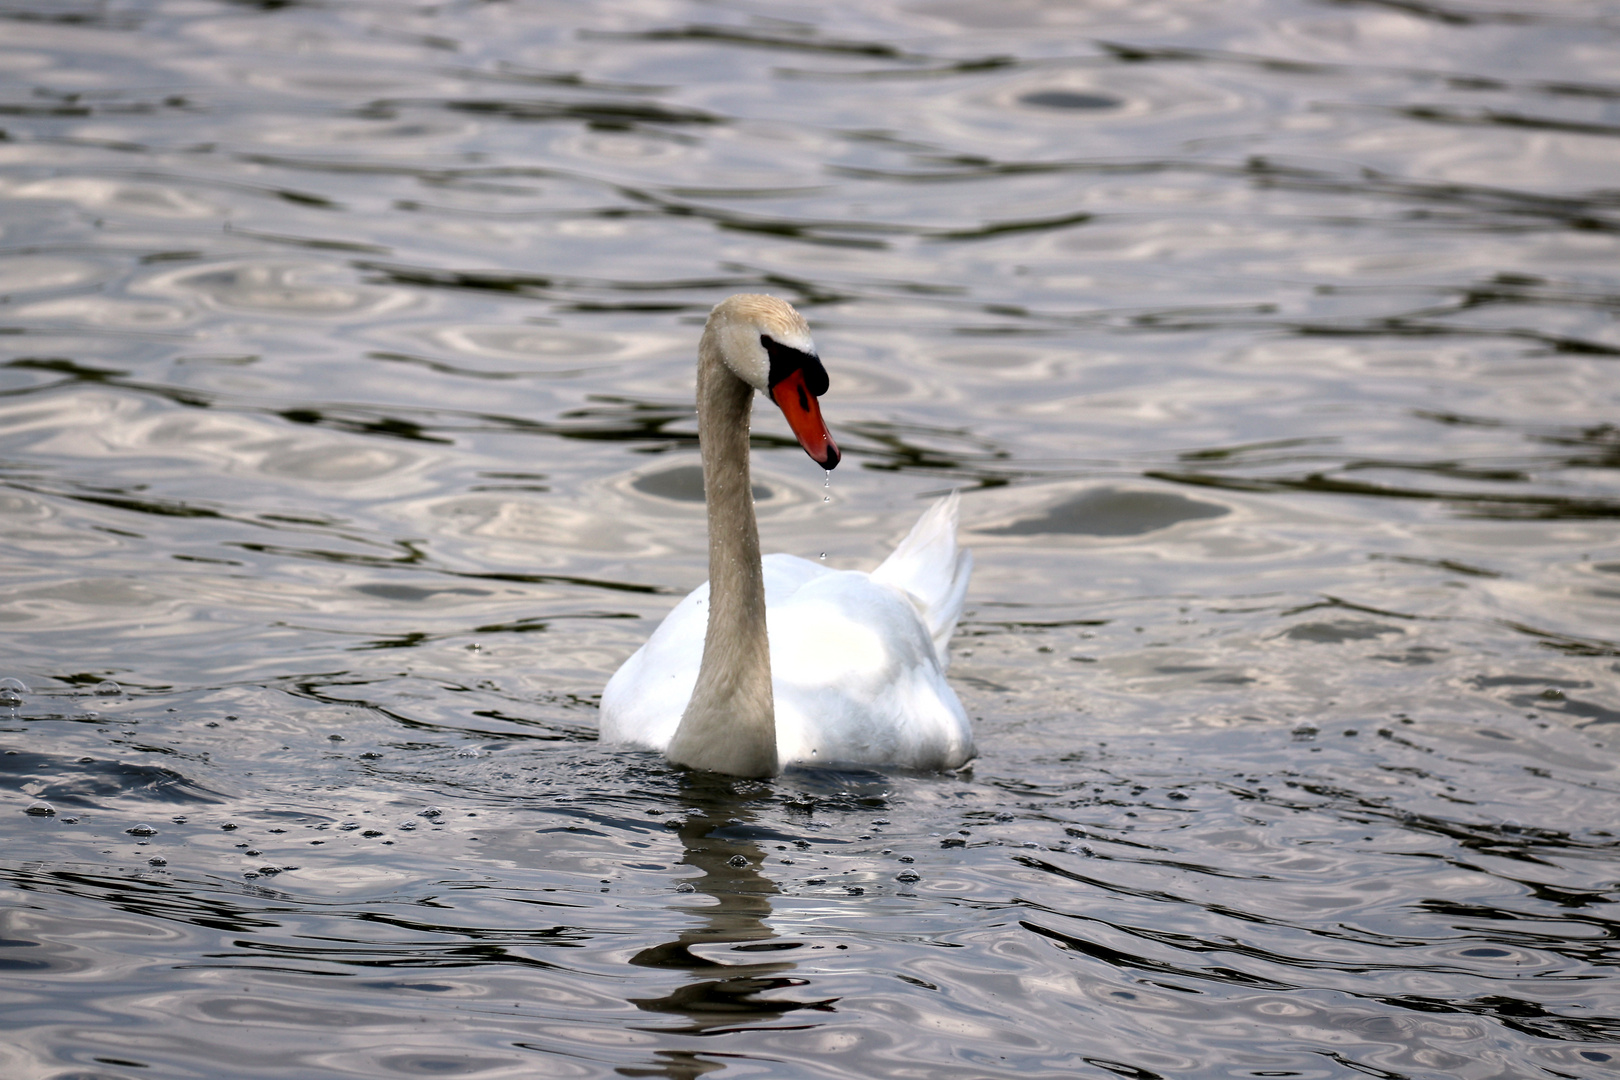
x=347, y=447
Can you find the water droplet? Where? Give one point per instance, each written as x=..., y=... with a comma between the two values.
x=823, y=554
x=108, y=688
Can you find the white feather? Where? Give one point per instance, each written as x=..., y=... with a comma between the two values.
x=857, y=660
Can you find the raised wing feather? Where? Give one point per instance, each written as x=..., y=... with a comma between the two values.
x=933, y=570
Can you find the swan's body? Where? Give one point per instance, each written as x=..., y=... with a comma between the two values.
x=781, y=661
x=857, y=674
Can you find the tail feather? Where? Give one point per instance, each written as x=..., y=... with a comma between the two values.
x=929, y=566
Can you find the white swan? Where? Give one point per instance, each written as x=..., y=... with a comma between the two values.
x=781, y=661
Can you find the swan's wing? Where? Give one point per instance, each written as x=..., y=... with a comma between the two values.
x=643, y=702
x=786, y=575
x=929, y=566
x=857, y=681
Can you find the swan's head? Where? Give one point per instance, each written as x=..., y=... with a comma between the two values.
x=767, y=345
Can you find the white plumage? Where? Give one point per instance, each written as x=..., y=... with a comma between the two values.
x=780, y=661
x=857, y=660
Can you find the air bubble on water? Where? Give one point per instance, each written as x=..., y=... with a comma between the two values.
x=11, y=693
x=108, y=688
x=823, y=554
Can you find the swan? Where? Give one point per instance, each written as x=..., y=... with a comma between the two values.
x=782, y=661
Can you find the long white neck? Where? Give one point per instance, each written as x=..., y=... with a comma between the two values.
x=730, y=724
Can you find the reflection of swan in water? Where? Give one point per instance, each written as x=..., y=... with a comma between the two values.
x=853, y=668
x=715, y=836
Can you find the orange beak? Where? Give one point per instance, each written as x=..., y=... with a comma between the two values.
x=803, y=414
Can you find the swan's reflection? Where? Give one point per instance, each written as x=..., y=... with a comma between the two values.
x=718, y=835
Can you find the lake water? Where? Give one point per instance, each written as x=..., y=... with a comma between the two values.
x=347, y=447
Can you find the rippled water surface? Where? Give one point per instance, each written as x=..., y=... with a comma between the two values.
x=347, y=447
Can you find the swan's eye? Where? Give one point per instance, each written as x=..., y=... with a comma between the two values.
x=785, y=360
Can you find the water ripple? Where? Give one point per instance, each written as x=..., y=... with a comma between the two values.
x=347, y=445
